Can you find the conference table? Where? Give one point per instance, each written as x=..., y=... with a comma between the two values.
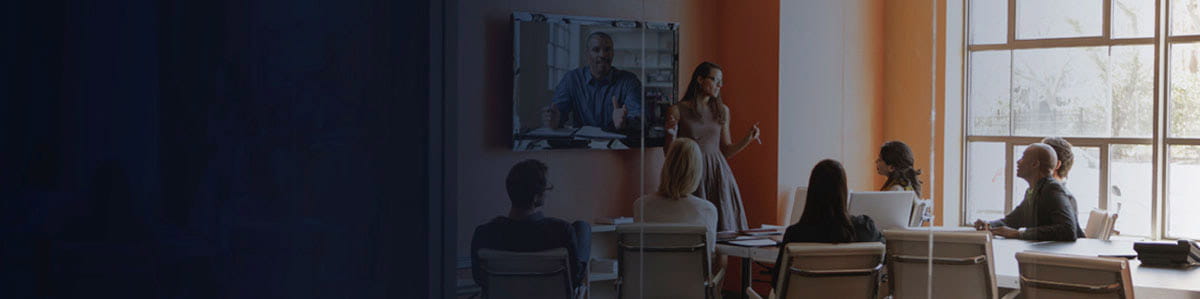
x=1148, y=282
x=747, y=254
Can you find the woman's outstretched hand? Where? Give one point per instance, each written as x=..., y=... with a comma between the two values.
x=754, y=134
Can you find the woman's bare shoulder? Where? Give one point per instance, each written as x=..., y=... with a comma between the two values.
x=681, y=105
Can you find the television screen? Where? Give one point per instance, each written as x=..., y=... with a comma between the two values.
x=591, y=83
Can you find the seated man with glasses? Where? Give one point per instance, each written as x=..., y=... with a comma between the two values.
x=527, y=230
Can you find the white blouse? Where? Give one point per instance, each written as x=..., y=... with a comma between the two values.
x=655, y=208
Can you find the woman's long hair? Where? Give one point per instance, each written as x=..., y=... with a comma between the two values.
x=682, y=170
x=826, y=202
x=715, y=104
x=897, y=155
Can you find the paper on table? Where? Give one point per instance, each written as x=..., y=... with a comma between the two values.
x=750, y=237
x=762, y=233
x=754, y=243
x=548, y=132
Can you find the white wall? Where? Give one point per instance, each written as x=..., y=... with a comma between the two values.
x=952, y=148
x=829, y=89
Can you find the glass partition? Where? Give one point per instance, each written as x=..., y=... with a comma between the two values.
x=615, y=179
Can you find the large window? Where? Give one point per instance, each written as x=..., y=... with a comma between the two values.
x=1119, y=79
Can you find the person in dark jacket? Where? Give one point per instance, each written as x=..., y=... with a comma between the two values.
x=527, y=230
x=1048, y=210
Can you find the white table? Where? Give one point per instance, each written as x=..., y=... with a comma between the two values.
x=1148, y=282
x=758, y=254
x=768, y=254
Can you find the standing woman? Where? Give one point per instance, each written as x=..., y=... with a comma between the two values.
x=702, y=116
x=896, y=163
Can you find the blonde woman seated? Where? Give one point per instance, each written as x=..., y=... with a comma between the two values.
x=674, y=202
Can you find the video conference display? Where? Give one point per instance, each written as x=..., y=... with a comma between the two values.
x=591, y=83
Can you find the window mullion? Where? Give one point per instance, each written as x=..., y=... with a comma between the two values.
x=1008, y=177
x=1106, y=20
x=1158, y=179
x=1012, y=116
x=1181, y=141
x=1012, y=21
x=1104, y=171
x=1068, y=43
x=1183, y=39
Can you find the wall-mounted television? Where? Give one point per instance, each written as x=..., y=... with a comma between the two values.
x=591, y=82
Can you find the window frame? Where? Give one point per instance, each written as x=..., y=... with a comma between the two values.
x=560, y=39
x=1160, y=140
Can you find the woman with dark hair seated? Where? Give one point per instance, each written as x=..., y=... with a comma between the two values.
x=895, y=162
x=825, y=218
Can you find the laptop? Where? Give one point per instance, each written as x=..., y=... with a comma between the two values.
x=889, y=209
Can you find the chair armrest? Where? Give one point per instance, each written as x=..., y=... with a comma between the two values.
x=1012, y=295
x=584, y=289
x=750, y=294
x=717, y=279
x=754, y=295
x=713, y=284
x=583, y=292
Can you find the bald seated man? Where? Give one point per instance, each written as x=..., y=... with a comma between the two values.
x=1048, y=211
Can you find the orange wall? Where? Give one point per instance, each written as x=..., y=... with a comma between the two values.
x=747, y=47
x=907, y=90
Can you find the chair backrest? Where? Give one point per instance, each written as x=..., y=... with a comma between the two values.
x=542, y=274
x=920, y=209
x=662, y=260
x=800, y=198
x=1100, y=224
x=784, y=203
x=823, y=270
x=962, y=264
x=1049, y=275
